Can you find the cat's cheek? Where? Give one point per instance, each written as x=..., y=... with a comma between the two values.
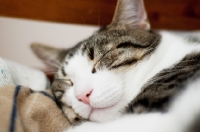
x=67, y=97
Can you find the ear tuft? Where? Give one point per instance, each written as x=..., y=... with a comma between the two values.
x=132, y=14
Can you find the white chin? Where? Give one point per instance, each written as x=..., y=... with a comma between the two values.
x=104, y=115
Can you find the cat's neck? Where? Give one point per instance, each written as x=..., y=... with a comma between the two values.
x=172, y=49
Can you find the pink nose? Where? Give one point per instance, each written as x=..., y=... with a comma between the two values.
x=84, y=96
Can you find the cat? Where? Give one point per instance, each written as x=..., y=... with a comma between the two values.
x=127, y=77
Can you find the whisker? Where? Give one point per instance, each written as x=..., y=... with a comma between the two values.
x=62, y=79
x=148, y=49
x=51, y=63
x=83, y=20
x=87, y=49
x=65, y=16
x=99, y=17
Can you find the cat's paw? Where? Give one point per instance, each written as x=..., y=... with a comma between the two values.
x=73, y=118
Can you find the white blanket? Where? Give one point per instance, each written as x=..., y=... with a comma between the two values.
x=17, y=74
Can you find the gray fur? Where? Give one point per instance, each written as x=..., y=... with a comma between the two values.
x=163, y=87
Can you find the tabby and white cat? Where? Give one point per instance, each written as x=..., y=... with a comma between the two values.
x=126, y=75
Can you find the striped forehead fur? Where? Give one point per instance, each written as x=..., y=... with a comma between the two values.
x=128, y=46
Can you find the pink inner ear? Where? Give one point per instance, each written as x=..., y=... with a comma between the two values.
x=132, y=14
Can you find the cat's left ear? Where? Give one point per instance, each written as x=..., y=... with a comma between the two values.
x=132, y=14
x=50, y=55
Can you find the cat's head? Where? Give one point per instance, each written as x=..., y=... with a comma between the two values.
x=92, y=74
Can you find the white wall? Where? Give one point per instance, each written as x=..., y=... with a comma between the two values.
x=16, y=35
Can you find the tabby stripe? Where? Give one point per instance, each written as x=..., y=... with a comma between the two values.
x=125, y=63
x=130, y=44
x=63, y=71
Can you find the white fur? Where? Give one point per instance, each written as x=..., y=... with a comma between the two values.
x=106, y=86
x=179, y=118
x=112, y=92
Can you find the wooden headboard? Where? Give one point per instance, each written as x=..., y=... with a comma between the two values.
x=168, y=14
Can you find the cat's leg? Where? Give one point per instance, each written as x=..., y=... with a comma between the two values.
x=73, y=118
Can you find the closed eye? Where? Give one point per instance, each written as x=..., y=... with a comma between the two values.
x=68, y=81
x=130, y=44
x=125, y=63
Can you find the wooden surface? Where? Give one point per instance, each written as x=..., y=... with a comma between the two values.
x=168, y=14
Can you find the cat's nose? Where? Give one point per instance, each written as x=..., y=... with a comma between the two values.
x=84, y=96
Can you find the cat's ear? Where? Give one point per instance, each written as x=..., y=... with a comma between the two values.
x=50, y=55
x=132, y=14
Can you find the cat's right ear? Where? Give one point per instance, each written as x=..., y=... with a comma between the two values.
x=131, y=14
x=50, y=55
